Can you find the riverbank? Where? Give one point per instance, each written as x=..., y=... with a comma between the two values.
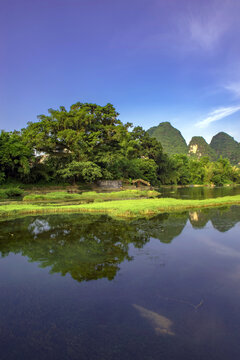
x=120, y=208
x=91, y=196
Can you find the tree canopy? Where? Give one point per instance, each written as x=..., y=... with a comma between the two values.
x=89, y=142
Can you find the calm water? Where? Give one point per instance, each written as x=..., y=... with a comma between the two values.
x=199, y=192
x=90, y=287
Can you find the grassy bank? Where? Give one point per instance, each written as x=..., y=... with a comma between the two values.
x=123, y=208
x=90, y=196
x=10, y=192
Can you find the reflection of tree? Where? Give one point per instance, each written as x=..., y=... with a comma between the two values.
x=93, y=246
x=86, y=247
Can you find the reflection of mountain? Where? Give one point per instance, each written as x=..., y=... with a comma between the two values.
x=164, y=227
x=199, y=218
x=91, y=247
x=223, y=219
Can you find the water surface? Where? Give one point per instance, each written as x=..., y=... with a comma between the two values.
x=198, y=192
x=90, y=287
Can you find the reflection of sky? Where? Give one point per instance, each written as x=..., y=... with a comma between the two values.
x=44, y=312
x=155, y=61
x=38, y=226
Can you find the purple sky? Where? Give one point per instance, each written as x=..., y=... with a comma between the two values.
x=154, y=60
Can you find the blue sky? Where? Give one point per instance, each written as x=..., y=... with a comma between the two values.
x=154, y=60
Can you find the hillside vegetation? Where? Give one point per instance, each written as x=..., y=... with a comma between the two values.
x=89, y=142
x=224, y=145
x=198, y=147
x=171, y=139
x=173, y=143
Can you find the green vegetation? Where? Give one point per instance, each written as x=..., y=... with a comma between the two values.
x=89, y=142
x=84, y=144
x=11, y=192
x=185, y=170
x=15, y=156
x=153, y=206
x=173, y=143
x=122, y=208
x=92, y=196
x=198, y=147
x=225, y=146
x=171, y=139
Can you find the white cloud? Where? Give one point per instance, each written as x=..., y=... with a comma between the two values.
x=206, y=33
x=234, y=88
x=217, y=114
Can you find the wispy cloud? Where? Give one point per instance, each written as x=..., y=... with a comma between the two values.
x=234, y=88
x=217, y=114
x=206, y=32
x=194, y=27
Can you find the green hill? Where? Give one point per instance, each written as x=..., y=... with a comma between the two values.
x=198, y=147
x=225, y=146
x=173, y=142
x=171, y=139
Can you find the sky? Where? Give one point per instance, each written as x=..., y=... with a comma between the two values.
x=154, y=60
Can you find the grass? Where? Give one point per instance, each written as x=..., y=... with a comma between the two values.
x=10, y=192
x=123, y=208
x=90, y=196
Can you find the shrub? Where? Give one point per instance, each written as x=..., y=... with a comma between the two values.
x=11, y=192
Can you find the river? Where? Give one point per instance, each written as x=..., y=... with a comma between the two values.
x=93, y=287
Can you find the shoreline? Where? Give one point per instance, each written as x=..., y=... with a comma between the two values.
x=118, y=208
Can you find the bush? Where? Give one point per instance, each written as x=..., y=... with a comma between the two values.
x=11, y=192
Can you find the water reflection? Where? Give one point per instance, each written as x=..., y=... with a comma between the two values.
x=187, y=309
x=198, y=192
x=161, y=324
x=164, y=227
x=222, y=219
x=93, y=247
x=85, y=247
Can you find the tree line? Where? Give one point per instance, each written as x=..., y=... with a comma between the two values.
x=89, y=142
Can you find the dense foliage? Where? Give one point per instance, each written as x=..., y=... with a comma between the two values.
x=86, y=143
x=186, y=170
x=89, y=142
x=15, y=156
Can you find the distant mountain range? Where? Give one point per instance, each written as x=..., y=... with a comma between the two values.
x=173, y=142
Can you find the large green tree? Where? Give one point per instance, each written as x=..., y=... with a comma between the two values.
x=15, y=156
x=89, y=142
